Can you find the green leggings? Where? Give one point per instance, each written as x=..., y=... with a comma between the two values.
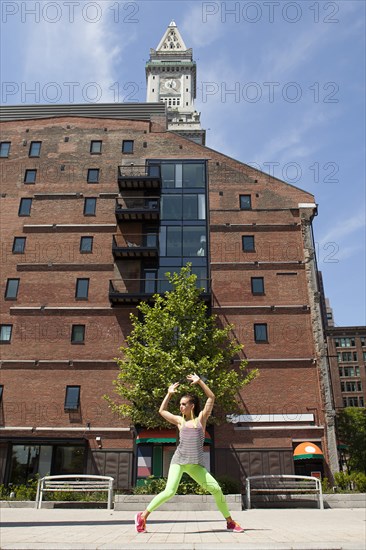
x=199, y=474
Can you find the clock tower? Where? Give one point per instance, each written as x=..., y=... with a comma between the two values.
x=171, y=78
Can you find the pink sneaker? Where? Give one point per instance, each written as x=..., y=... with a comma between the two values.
x=234, y=527
x=140, y=523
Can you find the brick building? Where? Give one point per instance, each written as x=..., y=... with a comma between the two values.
x=97, y=203
x=347, y=360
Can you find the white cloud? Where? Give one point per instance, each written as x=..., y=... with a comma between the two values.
x=200, y=29
x=79, y=51
x=295, y=51
x=282, y=60
x=344, y=228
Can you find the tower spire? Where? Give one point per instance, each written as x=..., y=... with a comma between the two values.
x=172, y=40
x=171, y=78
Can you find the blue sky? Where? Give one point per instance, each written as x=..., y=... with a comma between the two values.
x=281, y=86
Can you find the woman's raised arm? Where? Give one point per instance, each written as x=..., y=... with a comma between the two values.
x=207, y=409
x=163, y=411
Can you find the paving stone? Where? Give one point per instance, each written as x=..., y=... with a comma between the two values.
x=291, y=529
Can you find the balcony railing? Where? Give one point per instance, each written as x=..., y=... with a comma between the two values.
x=138, y=209
x=139, y=176
x=136, y=245
x=132, y=291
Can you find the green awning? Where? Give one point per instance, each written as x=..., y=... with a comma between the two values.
x=156, y=440
x=162, y=436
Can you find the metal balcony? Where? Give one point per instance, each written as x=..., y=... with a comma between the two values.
x=138, y=209
x=133, y=291
x=130, y=291
x=139, y=176
x=136, y=246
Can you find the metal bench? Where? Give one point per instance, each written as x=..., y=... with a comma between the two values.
x=74, y=483
x=283, y=485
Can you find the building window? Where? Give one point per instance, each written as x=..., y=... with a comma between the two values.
x=260, y=332
x=194, y=174
x=353, y=402
x=82, y=289
x=12, y=287
x=95, y=147
x=171, y=207
x=194, y=207
x=1, y=392
x=25, y=207
x=257, y=285
x=86, y=245
x=30, y=176
x=186, y=241
x=346, y=356
x=245, y=202
x=90, y=205
x=69, y=459
x=194, y=241
x=19, y=245
x=168, y=175
x=348, y=371
x=345, y=342
x=351, y=386
x=78, y=334
x=127, y=146
x=248, y=243
x=363, y=340
x=5, y=333
x=4, y=149
x=72, y=398
x=364, y=356
x=35, y=149
x=93, y=175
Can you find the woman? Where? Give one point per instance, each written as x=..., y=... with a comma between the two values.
x=188, y=458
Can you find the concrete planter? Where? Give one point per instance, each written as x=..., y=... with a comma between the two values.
x=336, y=500
x=51, y=504
x=345, y=500
x=137, y=503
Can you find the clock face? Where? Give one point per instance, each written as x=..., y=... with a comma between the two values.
x=169, y=85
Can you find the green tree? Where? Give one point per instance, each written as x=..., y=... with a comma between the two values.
x=170, y=339
x=351, y=423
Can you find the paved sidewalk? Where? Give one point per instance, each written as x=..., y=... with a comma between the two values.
x=300, y=529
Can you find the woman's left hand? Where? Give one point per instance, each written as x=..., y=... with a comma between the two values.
x=194, y=378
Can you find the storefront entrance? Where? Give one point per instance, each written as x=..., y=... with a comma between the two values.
x=28, y=459
x=309, y=460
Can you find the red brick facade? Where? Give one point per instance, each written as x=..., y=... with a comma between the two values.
x=40, y=361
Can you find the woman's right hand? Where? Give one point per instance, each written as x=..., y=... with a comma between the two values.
x=172, y=388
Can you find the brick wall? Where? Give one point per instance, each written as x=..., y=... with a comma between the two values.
x=52, y=262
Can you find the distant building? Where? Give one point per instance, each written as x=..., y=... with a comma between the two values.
x=346, y=355
x=98, y=202
x=329, y=313
x=347, y=360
